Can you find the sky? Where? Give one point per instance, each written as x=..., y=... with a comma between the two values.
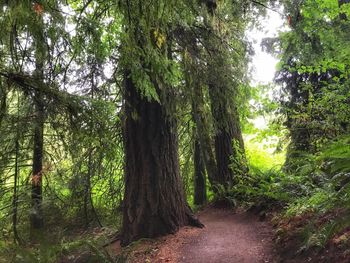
x=264, y=64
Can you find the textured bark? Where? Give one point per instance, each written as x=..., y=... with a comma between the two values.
x=226, y=119
x=222, y=92
x=202, y=131
x=200, y=189
x=195, y=84
x=227, y=131
x=154, y=200
x=36, y=217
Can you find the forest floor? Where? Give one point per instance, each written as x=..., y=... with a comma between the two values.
x=228, y=237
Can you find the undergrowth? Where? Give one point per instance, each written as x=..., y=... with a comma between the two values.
x=86, y=247
x=312, y=193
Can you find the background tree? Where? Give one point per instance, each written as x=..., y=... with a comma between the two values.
x=308, y=78
x=223, y=83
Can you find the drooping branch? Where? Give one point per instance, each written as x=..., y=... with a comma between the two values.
x=266, y=6
x=29, y=85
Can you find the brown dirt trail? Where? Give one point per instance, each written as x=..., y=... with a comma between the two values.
x=229, y=237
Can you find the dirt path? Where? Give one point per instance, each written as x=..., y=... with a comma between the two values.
x=228, y=237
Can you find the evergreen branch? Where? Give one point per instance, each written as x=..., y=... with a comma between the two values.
x=265, y=6
x=60, y=98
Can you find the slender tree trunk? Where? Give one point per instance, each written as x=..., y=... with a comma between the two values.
x=154, y=200
x=200, y=187
x=15, y=195
x=202, y=131
x=2, y=100
x=89, y=190
x=36, y=217
x=228, y=132
x=15, y=182
x=87, y=186
x=204, y=157
x=228, y=138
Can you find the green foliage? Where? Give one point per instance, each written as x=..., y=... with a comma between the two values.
x=224, y=195
x=85, y=48
x=87, y=249
x=324, y=204
x=238, y=160
x=262, y=155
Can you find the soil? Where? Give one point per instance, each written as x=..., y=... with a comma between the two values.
x=228, y=237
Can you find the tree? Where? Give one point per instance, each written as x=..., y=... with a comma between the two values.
x=154, y=200
x=204, y=163
x=223, y=92
x=36, y=217
x=313, y=64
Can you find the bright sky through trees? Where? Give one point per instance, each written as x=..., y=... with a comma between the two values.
x=263, y=64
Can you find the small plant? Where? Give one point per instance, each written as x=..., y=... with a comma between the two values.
x=224, y=196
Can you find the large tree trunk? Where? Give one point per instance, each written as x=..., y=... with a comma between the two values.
x=154, y=200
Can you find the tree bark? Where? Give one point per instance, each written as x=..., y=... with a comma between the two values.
x=36, y=218
x=200, y=187
x=15, y=194
x=154, y=200
x=228, y=137
x=202, y=137
x=202, y=131
x=227, y=131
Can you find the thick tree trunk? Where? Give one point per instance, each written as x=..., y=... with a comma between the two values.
x=154, y=200
x=200, y=187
